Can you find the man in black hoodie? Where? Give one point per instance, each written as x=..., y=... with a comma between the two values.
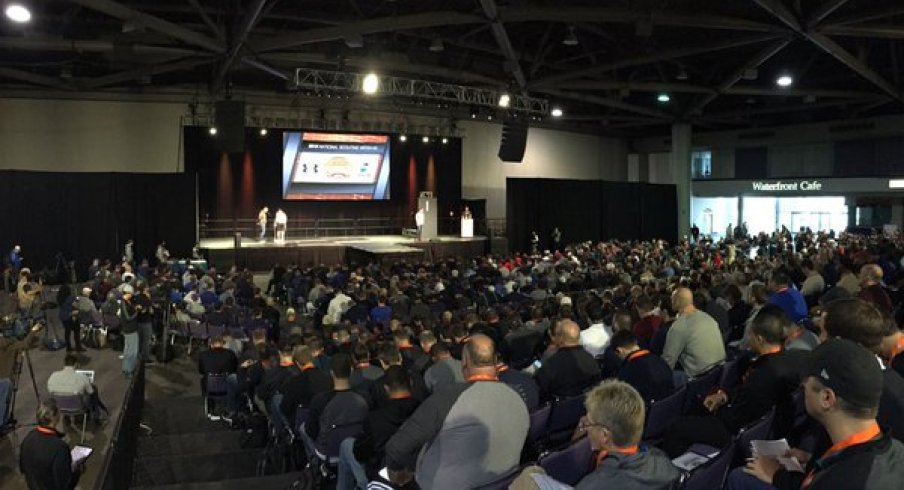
x=361, y=458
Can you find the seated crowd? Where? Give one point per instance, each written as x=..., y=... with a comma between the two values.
x=434, y=372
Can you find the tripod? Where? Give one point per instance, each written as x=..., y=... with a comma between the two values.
x=11, y=423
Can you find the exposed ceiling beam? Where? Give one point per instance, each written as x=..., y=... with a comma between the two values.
x=706, y=90
x=572, y=15
x=144, y=71
x=607, y=102
x=266, y=68
x=207, y=20
x=780, y=11
x=824, y=11
x=544, y=48
x=868, y=31
x=786, y=108
x=865, y=15
x=238, y=41
x=153, y=23
x=650, y=58
x=734, y=77
x=33, y=78
x=369, y=26
x=512, y=63
x=90, y=46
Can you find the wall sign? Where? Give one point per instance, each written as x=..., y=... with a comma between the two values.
x=790, y=185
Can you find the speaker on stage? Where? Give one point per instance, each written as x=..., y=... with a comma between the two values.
x=230, y=123
x=514, y=140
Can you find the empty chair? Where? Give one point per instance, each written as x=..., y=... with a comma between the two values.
x=570, y=464
x=564, y=417
x=662, y=413
x=196, y=331
x=711, y=474
x=72, y=405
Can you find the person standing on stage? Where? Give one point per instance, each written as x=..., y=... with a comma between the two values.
x=280, y=221
x=419, y=217
x=162, y=253
x=466, y=214
x=262, y=222
x=129, y=252
x=15, y=259
x=556, y=236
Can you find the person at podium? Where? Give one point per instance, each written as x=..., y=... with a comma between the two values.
x=419, y=218
x=280, y=221
x=466, y=214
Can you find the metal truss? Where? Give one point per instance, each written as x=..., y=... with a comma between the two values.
x=324, y=80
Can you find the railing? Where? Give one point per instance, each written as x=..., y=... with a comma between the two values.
x=116, y=472
x=310, y=228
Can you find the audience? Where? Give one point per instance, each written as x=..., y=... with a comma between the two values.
x=646, y=372
x=304, y=383
x=694, y=342
x=571, y=370
x=446, y=370
x=338, y=407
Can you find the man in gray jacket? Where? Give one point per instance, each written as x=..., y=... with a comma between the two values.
x=694, y=341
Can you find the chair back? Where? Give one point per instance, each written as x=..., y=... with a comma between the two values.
x=570, y=464
x=700, y=387
x=301, y=416
x=729, y=376
x=501, y=483
x=111, y=320
x=712, y=473
x=216, y=330
x=69, y=403
x=197, y=330
x=662, y=413
x=566, y=413
x=334, y=437
x=757, y=431
x=237, y=333
x=216, y=384
x=539, y=422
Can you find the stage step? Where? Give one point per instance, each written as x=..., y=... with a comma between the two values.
x=293, y=481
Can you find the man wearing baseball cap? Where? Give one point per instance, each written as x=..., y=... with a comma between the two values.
x=842, y=384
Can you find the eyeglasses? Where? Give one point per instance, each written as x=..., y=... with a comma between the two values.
x=586, y=425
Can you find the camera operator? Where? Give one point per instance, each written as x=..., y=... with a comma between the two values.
x=9, y=353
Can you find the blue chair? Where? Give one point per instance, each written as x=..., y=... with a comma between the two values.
x=539, y=422
x=662, y=413
x=711, y=474
x=564, y=417
x=757, y=431
x=570, y=464
x=701, y=386
x=196, y=331
x=215, y=389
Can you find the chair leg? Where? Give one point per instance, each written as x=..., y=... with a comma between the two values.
x=84, y=422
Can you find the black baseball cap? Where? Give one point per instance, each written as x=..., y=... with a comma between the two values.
x=848, y=369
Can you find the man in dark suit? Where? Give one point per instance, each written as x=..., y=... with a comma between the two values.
x=571, y=370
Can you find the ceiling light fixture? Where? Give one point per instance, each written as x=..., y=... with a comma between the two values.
x=504, y=100
x=571, y=39
x=370, y=84
x=445, y=140
x=263, y=131
x=212, y=131
x=425, y=139
x=663, y=97
x=784, y=80
x=556, y=112
x=18, y=13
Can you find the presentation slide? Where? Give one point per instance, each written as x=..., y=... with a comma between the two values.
x=335, y=166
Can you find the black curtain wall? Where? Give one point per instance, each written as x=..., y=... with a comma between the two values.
x=91, y=215
x=588, y=210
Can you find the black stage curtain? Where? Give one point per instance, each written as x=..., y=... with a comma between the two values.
x=236, y=186
x=91, y=215
x=588, y=210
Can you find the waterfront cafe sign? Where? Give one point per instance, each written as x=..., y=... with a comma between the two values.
x=787, y=186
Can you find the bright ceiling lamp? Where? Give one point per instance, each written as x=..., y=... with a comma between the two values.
x=504, y=100
x=18, y=13
x=784, y=80
x=370, y=84
x=556, y=112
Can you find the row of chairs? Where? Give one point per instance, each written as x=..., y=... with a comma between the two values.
x=197, y=332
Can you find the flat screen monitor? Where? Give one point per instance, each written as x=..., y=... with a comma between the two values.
x=324, y=166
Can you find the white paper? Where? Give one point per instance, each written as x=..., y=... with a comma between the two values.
x=777, y=449
x=688, y=461
x=79, y=454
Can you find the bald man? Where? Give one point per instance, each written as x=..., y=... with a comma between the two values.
x=694, y=343
x=571, y=370
x=871, y=289
x=473, y=431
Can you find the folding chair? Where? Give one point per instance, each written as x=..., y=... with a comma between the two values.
x=701, y=386
x=757, y=431
x=196, y=331
x=712, y=473
x=564, y=417
x=570, y=464
x=216, y=389
x=325, y=456
x=539, y=422
x=72, y=405
x=662, y=413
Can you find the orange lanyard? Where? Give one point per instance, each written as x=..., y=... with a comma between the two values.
x=363, y=365
x=854, y=439
x=750, y=369
x=307, y=366
x=45, y=430
x=482, y=377
x=621, y=450
x=638, y=354
x=501, y=368
x=794, y=336
x=897, y=349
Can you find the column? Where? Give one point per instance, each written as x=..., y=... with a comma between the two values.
x=741, y=211
x=681, y=169
x=897, y=213
x=851, y=203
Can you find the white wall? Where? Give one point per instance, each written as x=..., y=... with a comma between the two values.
x=549, y=154
x=90, y=136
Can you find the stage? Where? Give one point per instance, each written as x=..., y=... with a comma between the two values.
x=385, y=249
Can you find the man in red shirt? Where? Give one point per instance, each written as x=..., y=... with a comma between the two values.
x=649, y=321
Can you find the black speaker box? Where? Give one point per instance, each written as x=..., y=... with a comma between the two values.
x=514, y=140
x=230, y=122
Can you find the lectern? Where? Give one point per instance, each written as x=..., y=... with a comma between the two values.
x=426, y=203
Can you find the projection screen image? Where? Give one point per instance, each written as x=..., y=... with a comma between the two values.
x=335, y=166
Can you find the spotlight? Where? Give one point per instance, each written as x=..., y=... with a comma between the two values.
x=445, y=140
x=663, y=97
x=263, y=131
x=556, y=112
x=784, y=80
x=403, y=138
x=504, y=100
x=490, y=117
x=212, y=131
x=370, y=84
x=18, y=13
x=473, y=115
x=425, y=139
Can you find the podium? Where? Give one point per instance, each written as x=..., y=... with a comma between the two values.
x=467, y=227
x=427, y=202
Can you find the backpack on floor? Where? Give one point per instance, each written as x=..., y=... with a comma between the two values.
x=53, y=344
